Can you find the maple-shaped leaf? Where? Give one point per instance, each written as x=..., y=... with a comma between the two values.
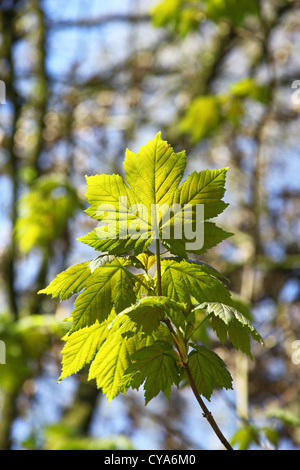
x=208, y=371
x=152, y=204
x=68, y=282
x=106, y=283
x=212, y=236
x=112, y=201
x=74, y=279
x=226, y=320
x=82, y=346
x=150, y=311
x=182, y=279
x=155, y=172
x=114, y=355
x=108, y=286
x=156, y=367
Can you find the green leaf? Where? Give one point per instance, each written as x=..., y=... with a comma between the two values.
x=152, y=203
x=150, y=311
x=105, y=191
x=227, y=320
x=206, y=187
x=68, y=282
x=207, y=267
x=155, y=171
x=156, y=366
x=147, y=317
x=233, y=10
x=202, y=117
x=44, y=212
x=82, y=346
x=114, y=356
x=148, y=259
x=181, y=279
x=213, y=235
x=287, y=416
x=119, y=327
x=108, y=286
x=208, y=371
x=245, y=436
x=179, y=15
x=74, y=279
x=248, y=87
x=116, y=206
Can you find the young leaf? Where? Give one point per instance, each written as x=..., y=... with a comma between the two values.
x=206, y=187
x=148, y=259
x=155, y=171
x=108, y=286
x=82, y=346
x=68, y=282
x=181, y=279
x=154, y=204
x=150, y=311
x=74, y=279
x=227, y=320
x=208, y=371
x=156, y=366
x=213, y=235
x=114, y=356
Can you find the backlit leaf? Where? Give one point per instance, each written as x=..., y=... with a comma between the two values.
x=156, y=367
x=208, y=371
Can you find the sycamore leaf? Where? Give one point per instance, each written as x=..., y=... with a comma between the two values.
x=108, y=286
x=74, y=279
x=153, y=204
x=227, y=320
x=148, y=259
x=155, y=171
x=119, y=326
x=82, y=346
x=206, y=187
x=116, y=205
x=112, y=245
x=114, y=356
x=147, y=317
x=208, y=371
x=68, y=282
x=202, y=117
x=150, y=311
x=246, y=436
x=209, y=269
x=213, y=235
x=182, y=280
x=156, y=367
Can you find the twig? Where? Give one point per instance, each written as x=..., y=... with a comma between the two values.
x=206, y=413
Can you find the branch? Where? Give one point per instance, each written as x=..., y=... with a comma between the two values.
x=98, y=21
x=206, y=413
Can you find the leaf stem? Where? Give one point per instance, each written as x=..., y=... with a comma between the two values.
x=158, y=268
x=134, y=278
x=201, y=323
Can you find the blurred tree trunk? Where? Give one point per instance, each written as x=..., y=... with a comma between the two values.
x=8, y=17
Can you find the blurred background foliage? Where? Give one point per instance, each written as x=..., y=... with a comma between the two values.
x=83, y=83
